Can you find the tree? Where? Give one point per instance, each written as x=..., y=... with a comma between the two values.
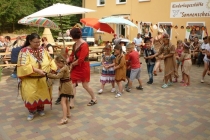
x=11, y=11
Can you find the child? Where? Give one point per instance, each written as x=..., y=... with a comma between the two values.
x=179, y=51
x=150, y=59
x=128, y=68
x=65, y=88
x=135, y=67
x=107, y=75
x=120, y=68
x=186, y=63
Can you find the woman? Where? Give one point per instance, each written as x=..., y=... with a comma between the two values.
x=147, y=35
x=80, y=66
x=33, y=62
x=158, y=42
x=48, y=46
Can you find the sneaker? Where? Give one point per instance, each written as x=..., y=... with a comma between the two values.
x=117, y=95
x=30, y=116
x=58, y=101
x=169, y=84
x=202, y=81
x=13, y=75
x=165, y=86
x=113, y=90
x=149, y=82
x=100, y=91
x=139, y=88
x=41, y=113
x=128, y=89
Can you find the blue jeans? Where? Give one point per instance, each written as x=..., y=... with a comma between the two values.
x=150, y=68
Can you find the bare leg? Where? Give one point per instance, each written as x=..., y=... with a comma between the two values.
x=64, y=107
x=140, y=82
x=119, y=84
x=113, y=84
x=188, y=79
x=68, y=109
x=157, y=65
x=102, y=86
x=205, y=70
x=89, y=90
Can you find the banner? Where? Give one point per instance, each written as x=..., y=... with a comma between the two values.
x=190, y=9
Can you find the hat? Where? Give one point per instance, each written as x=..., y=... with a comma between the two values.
x=205, y=38
x=160, y=30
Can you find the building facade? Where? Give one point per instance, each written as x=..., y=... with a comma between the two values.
x=174, y=16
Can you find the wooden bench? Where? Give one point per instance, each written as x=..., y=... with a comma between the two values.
x=5, y=65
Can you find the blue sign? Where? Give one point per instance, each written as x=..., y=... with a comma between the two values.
x=87, y=32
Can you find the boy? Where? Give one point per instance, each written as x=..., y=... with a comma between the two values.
x=135, y=67
x=150, y=59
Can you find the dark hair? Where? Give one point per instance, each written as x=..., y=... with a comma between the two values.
x=60, y=58
x=148, y=41
x=76, y=33
x=29, y=38
x=118, y=47
x=8, y=38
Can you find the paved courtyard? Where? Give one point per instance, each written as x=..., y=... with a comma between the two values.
x=175, y=113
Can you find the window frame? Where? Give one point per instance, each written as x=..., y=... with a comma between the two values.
x=99, y=1
x=118, y=2
x=166, y=23
x=194, y=23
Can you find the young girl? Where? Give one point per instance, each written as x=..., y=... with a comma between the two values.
x=108, y=74
x=186, y=63
x=65, y=88
x=120, y=68
x=179, y=50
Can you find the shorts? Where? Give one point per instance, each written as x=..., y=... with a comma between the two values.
x=206, y=60
x=135, y=74
x=138, y=49
x=128, y=73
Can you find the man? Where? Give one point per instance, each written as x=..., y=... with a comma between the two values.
x=138, y=42
x=2, y=45
x=135, y=67
x=168, y=52
x=205, y=50
x=202, y=48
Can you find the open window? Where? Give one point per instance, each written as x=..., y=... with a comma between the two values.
x=121, y=1
x=100, y=2
x=198, y=29
x=142, y=26
x=167, y=27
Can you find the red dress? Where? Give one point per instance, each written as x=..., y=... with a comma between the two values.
x=80, y=72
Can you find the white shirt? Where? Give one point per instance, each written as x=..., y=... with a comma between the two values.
x=137, y=41
x=207, y=47
x=203, y=46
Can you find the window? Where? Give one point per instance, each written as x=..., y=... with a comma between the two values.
x=167, y=27
x=100, y=2
x=120, y=1
x=142, y=26
x=198, y=30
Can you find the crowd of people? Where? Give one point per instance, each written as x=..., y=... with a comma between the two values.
x=36, y=66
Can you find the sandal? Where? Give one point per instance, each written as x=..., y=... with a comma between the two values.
x=184, y=85
x=91, y=103
x=63, y=121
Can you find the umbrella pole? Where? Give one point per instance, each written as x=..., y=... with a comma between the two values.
x=62, y=32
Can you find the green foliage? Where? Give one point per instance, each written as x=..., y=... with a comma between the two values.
x=13, y=10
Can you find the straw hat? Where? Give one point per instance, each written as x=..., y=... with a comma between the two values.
x=160, y=30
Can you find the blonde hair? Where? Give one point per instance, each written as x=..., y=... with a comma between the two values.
x=60, y=58
x=130, y=45
x=179, y=41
